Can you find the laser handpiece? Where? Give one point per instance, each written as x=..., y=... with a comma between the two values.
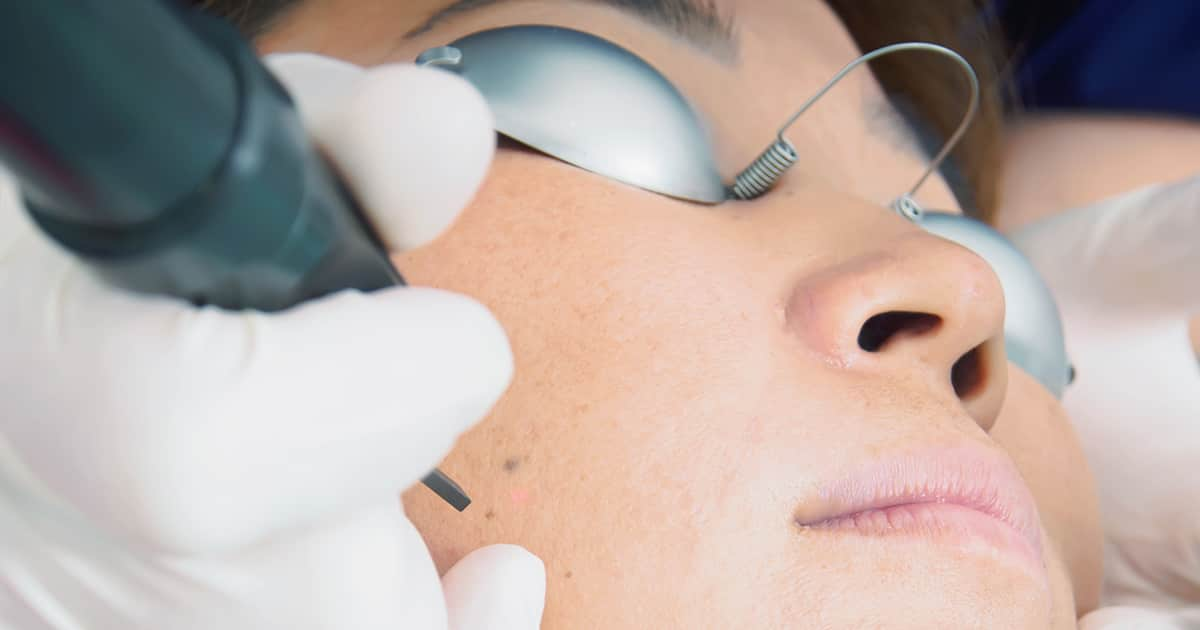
x=152, y=143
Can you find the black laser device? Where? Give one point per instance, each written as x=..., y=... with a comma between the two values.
x=150, y=140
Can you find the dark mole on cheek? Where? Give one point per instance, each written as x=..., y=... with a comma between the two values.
x=512, y=463
x=568, y=575
x=489, y=515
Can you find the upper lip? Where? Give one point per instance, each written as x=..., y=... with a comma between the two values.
x=971, y=476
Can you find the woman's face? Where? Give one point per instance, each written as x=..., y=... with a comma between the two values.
x=698, y=426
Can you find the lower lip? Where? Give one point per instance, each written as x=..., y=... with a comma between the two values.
x=942, y=523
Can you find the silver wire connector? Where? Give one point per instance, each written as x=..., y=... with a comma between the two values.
x=772, y=163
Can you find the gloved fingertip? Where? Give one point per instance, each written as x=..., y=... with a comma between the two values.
x=319, y=85
x=1128, y=618
x=415, y=144
x=460, y=334
x=444, y=354
x=499, y=587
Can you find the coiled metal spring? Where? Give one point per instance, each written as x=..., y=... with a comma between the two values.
x=755, y=179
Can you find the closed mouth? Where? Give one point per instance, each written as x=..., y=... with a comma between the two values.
x=966, y=495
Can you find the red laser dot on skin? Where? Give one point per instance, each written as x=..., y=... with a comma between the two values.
x=519, y=496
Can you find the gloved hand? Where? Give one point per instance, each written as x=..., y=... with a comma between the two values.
x=1126, y=273
x=165, y=467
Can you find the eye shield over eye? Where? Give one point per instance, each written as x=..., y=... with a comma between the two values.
x=593, y=104
x=590, y=103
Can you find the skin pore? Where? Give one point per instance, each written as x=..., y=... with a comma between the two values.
x=689, y=378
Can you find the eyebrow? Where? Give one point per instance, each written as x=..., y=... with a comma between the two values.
x=696, y=21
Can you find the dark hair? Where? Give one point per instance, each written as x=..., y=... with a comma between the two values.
x=251, y=17
x=930, y=94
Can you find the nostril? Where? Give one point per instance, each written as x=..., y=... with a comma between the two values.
x=880, y=328
x=968, y=373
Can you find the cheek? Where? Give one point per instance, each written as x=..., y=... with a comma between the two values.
x=586, y=275
x=600, y=298
x=1035, y=431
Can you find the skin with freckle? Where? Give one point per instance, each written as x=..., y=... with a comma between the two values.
x=688, y=377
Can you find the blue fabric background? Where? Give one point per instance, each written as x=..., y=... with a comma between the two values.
x=1109, y=55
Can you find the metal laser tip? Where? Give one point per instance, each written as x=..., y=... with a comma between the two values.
x=445, y=488
x=440, y=56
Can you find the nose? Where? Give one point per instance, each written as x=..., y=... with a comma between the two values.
x=913, y=306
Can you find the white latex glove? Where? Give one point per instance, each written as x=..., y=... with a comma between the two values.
x=1127, y=276
x=164, y=467
x=1128, y=618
